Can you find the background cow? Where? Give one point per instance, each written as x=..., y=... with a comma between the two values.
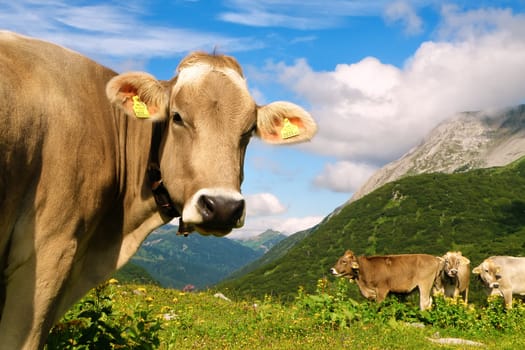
x=376, y=276
x=503, y=275
x=454, y=277
x=82, y=154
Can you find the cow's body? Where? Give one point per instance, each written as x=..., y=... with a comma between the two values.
x=75, y=198
x=376, y=276
x=454, y=277
x=503, y=275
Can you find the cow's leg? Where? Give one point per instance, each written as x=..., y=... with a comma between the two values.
x=507, y=296
x=425, y=300
x=381, y=294
x=465, y=296
x=34, y=283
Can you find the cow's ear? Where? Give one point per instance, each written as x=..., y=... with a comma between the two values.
x=464, y=260
x=139, y=95
x=284, y=122
x=355, y=265
x=476, y=270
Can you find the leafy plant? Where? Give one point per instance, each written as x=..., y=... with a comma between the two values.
x=93, y=324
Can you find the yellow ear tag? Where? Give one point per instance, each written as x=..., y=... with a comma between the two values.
x=140, y=108
x=289, y=130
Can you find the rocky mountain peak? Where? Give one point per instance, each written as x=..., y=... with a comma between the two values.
x=466, y=141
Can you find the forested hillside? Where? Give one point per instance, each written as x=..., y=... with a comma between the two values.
x=177, y=261
x=278, y=251
x=481, y=213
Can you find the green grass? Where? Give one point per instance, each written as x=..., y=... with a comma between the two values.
x=151, y=317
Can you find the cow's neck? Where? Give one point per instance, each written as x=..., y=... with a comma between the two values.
x=138, y=202
x=160, y=193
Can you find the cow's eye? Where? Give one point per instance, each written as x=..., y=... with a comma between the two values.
x=177, y=119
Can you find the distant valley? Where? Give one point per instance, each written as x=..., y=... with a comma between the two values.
x=195, y=261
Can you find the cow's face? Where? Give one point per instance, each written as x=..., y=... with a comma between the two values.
x=347, y=266
x=452, y=263
x=489, y=272
x=210, y=117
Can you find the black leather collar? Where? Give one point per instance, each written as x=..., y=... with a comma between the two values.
x=160, y=193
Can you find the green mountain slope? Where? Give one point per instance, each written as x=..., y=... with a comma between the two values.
x=177, y=261
x=481, y=213
x=278, y=251
x=134, y=274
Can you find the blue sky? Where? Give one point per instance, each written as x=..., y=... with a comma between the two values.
x=376, y=75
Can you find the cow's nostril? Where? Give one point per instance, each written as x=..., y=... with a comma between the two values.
x=220, y=211
x=237, y=210
x=206, y=206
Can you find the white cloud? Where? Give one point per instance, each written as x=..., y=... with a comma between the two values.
x=110, y=30
x=265, y=211
x=402, y=11
x=293, y=225
x=297, y=14
x=262, y=204
x=374, y=112
x=344, y=176
x=480, y=24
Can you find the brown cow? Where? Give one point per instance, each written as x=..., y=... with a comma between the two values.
x=376, y=276
x=82, y=152
x=454, y=277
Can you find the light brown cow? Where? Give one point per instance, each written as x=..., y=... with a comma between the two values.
x=82, y=150
x=503, y=275
x=454, y=277
x=377, y=276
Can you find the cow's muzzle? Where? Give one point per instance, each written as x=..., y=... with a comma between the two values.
x=452, y=272
x=214, y=211
x=346, y=274
x=334, y=272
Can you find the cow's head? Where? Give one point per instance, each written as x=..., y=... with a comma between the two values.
x=347, y=266
x=209, y=117
x=489, y=272
x=452, y=263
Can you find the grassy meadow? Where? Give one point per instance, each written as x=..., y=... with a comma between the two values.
x=480, y=213
x=121, y=316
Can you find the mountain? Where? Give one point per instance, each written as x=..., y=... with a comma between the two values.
x=467, y=141
x=480, y=212
x=278, y=251
x=264, y=242
x=133, y=273
x=177, y=261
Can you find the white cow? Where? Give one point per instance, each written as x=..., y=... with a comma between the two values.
x=503, y=275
